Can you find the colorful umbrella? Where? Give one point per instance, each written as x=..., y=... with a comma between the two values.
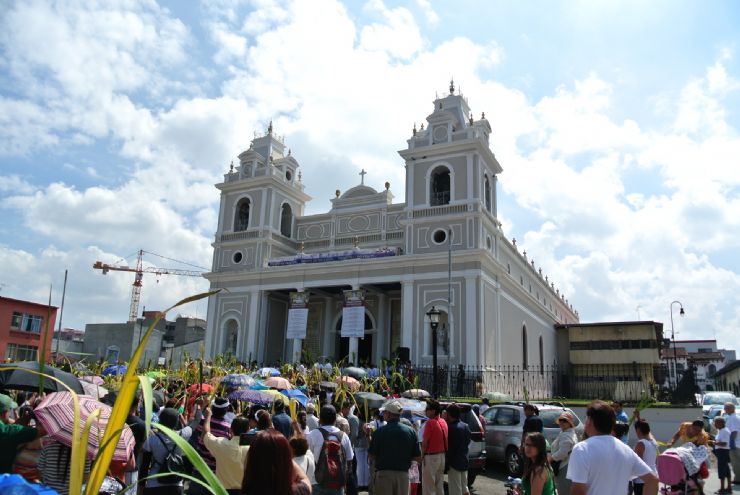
x=265, y=372
x=297, y=395
x=278, y=382
x=259, y=385
x=56, y=414
x=253, y=396
x=236, y=381
x=21, y=379
x=156, y=374
x=416, y=393
x=117, y=369
x=94, y=390
x=352, y=383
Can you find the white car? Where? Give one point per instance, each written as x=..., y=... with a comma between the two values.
x=717, y=399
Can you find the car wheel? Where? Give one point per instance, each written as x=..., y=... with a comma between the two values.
x=513, y=462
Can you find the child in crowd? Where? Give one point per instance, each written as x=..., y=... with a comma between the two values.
x=722, y=453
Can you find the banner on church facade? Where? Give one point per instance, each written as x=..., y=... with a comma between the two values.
x=297, y=315
x=353, y=314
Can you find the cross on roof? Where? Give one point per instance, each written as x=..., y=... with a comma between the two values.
x=362, y=175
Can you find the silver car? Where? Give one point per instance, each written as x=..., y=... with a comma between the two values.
x=504, y=424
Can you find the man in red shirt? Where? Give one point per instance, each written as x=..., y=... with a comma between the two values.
x=433, y=449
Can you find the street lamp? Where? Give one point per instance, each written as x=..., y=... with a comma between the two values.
x=673, y=337
x=433, y=315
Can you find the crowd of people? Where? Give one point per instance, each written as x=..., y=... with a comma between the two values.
x=603, y=463
x=257, y=449
x=333, y=447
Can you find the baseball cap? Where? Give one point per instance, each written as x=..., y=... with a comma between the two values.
x=6, y=403
x=394, y=407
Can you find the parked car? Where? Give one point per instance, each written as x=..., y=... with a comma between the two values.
x=477, y=446
x=709, y=416
x=504, y=426
x=717, y=399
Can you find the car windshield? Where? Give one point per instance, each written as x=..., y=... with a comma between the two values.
x=712, y=399
x=550, y=417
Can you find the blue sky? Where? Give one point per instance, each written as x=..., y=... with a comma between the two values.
x=616, y=124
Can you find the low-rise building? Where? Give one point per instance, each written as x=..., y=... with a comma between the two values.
x=22, y=326
x=703, y=356
x=619, y=360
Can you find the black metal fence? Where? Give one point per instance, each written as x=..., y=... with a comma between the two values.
x=606, y=381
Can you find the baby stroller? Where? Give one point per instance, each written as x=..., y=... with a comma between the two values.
x=674, y=477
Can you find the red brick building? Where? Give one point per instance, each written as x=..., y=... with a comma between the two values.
x=22, y=325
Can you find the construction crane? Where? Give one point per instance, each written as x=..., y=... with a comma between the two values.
x=139, y=271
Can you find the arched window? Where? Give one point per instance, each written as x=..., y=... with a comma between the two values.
x=439, y=187
x=525, y=360
x=711, y=369
x=487, y=193
x=241, y=219
x=286, y=220
x=542, y=357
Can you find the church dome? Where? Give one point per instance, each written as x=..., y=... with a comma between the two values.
x=359, y=192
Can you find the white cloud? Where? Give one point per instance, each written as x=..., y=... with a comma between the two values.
x=428, y=10
x=15, y=184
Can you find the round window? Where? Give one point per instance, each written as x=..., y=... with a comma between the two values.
x=288, y=175
x=238, y=256
x=439, y=236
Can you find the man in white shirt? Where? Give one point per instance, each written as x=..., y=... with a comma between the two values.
x=732, y=423
x=602, y=464
x=311, y=419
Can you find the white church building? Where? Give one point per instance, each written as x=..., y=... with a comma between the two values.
x=442, y=248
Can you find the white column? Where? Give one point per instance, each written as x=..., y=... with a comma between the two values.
x=353, y=346
x=260, y=324
x=297, y=346
x=383, y=328
x=407, y=310
x=211, y=328
x=471, y=303
x=253, y=320
x=499, y=352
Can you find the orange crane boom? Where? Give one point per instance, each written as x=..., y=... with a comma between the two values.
x=139, y=270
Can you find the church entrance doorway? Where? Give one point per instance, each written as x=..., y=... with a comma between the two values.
x=364, y=345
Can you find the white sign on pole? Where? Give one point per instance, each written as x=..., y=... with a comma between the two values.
x=297, y=316
x=353, y=314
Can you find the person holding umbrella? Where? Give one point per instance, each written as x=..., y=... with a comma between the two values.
x=13, y=435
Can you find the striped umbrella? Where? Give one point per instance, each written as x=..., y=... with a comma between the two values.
x=94, y=390
x=56, y=414
x=236, y=381
x=253, y=396
x=93, y=379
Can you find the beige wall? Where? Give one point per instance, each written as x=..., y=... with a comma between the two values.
x=613, y=356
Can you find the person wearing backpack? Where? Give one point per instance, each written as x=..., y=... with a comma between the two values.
x=161, y=455
x=332, y=451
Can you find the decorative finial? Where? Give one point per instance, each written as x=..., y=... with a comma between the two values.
x=524, y=253
x=414, y=128
x=269, y=128
x=452, y=86
x=231, y=167
x=483, y=115
x=513, y=241
x=470, y=119
x=251, y=145
x=422, y=126
x=532, y=263
x=301, y=246
x=362, y=175
x=337, y=193
x=387, y=185
x=540, y=271
x=546, y=279
x=552, y=285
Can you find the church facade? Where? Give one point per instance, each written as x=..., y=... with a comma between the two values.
x=443, y=248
